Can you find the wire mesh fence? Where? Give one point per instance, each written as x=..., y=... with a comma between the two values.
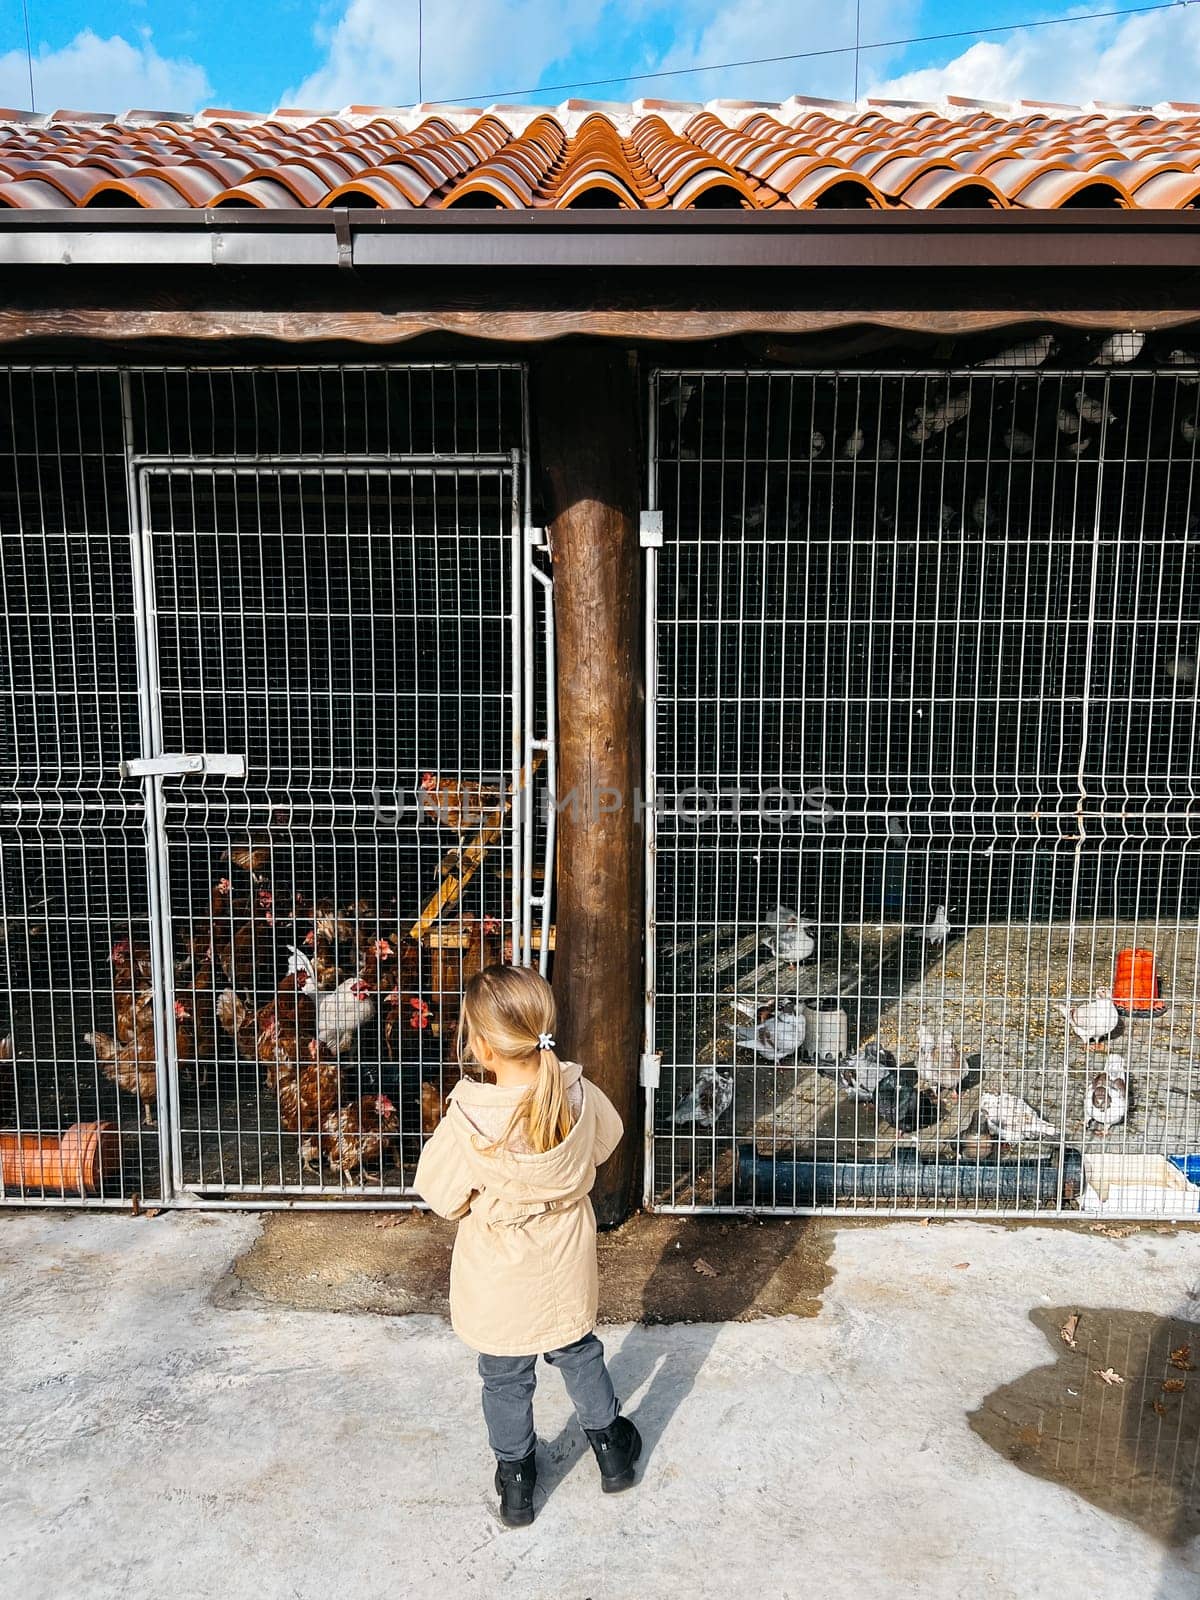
x=265, y=777
x=922, y=733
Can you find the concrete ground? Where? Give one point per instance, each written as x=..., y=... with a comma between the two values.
x=175, y=1425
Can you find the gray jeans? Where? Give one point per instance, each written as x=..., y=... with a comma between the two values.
x=509, y=1382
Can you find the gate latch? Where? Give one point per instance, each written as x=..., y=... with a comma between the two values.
x=650, y=1067
x=651, y=528
x=178, y=766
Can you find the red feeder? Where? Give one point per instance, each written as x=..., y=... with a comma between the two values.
x=1135, y=984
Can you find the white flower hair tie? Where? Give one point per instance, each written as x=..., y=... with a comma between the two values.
x=545, y=1041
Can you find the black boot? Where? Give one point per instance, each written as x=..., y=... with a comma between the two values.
x=514, y=1485
x=617, y=1447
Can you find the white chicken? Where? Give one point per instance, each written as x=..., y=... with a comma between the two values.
x=1107, y=1100
x=939, y=1062
x=341, y=1011
x=1093, y=1020
x=787, y=936
x=709, y=1100
x=1012, y=1119
x=1119, y=348
x=777, y=1033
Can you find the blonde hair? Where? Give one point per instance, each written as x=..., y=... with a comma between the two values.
x=512, y=1007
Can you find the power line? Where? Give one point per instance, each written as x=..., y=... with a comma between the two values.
x=29, y=56
x=493, y=95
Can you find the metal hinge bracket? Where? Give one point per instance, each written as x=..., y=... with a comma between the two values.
x=178, y=766
x=650, y=1069
x=651, y=528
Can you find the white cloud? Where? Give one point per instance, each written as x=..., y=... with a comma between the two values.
x=1141, y=59
x=94, y=74
x=469, y=47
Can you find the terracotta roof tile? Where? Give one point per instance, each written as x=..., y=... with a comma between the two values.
x=648, y=155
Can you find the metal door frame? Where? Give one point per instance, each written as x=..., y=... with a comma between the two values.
x=531, y=692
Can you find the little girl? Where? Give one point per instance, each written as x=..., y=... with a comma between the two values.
x=516, y=1160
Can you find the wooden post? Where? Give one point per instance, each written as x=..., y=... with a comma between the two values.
x=586, y=436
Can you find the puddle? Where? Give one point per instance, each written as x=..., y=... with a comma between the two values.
x=1131, y=1447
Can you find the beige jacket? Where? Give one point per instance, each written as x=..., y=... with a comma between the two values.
x=523, y=1274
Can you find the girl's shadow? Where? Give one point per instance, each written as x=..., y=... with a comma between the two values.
x=653, y=1369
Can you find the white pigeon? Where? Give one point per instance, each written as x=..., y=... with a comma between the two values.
x=1093, y=1020
x=939, y=1062
x=1068, y=421
x=1012, y=1119
x=787, y=936
x=779, y=1032
x=854, y=444
x=1188, y=429
x=1117, y=349
x=860, y=1074
x=935, y=932
x=816, y=443
x=1091, y=409
x=1030, y=354
x=1106, y=1102
x=930, y=420
x=1018, y=443
x=709, y=1100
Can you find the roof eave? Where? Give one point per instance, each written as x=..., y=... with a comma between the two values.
x=365, y=238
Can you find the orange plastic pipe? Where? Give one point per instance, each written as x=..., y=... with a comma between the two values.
x=67, y=1163
x=1135, y=983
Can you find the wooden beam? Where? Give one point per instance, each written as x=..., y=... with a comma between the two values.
x=586, y=430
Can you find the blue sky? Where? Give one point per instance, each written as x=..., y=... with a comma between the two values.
x=183, y=54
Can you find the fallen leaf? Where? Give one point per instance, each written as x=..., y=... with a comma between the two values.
x=702, y=1267
x=1158, y=1408
x=387, y=1219
x=1109, y=1231
x=1174, y=1385
x=959, y=1265
x=1182, y=1358
x=1067, y=1332
x=1107, y=1375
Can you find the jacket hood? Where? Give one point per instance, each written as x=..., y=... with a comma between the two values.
x=550, y=1175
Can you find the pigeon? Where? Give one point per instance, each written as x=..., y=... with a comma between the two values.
x=948, y=518
x=854, y=445
x=1030, y=354
x=1093, y=1020
x=861, y=1074
x=1185, y=358
x=1107, y=1099
x=777, y=1033
x=788, y=937
x=1091, y=409
x=1012, y=1119
x=709, y=1100
x=1188, y=429
x=1117, y=349
x=930, y=420
x=1068, y=421
x=816, y=443
x=1183, y=669
x=983, y=514
x=1018, y=443
x=901, y=1101
x=975, y=1142
x=1080, y=447
x=935, y=932
x=939, y=1062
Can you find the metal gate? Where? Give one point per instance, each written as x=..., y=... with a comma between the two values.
x=295, y=630
x=922, y=734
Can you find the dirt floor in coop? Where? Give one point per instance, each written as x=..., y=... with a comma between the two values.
x=996, y=988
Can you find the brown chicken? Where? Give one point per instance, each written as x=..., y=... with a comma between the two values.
x=133, y=1064
x=193, y=985
x=243, y=938
x=355, y=1135
x=308, y=1096
x=401, y=1012
x=460, y=804
x=435, y=1097
x=279, y=1034
x=452, y=966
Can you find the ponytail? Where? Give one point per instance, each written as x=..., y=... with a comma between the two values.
x=513, y=1008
